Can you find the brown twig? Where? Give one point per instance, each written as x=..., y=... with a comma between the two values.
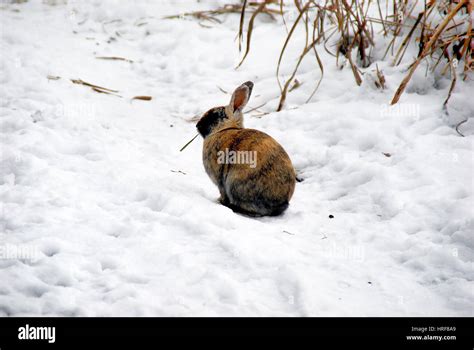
x=81, y=82
x=143, y=98
x=250, y=29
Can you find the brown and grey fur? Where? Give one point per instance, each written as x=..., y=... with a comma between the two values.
x=263, y=190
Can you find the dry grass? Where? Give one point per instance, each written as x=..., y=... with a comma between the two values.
x=346, y=31
x=211, y=15
x=434, y=44
x=102, y=89
x=348, y=24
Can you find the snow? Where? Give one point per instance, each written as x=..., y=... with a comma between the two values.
x=115, y=221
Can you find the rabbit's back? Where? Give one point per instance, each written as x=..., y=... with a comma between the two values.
x=261, y=185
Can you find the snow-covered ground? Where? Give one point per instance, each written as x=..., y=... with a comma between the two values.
x=103, y=216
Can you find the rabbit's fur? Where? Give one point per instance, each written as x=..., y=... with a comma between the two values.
x=262, y=188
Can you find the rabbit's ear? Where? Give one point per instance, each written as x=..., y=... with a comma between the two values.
x=241, y=96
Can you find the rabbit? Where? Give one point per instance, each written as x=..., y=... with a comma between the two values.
x=262, y=187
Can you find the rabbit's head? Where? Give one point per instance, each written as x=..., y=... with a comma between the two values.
x=219, y=118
